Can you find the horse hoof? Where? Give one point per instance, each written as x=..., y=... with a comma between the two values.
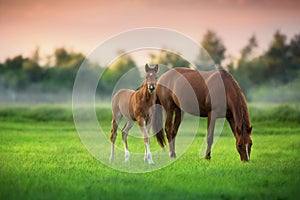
x=150, y=162
x=207, y=157
x=111, y=159
x=172, y=155
x=127, y=156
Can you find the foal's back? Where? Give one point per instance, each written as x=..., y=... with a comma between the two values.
x=121, y=102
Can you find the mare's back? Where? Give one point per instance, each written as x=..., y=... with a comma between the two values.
x=189, y=89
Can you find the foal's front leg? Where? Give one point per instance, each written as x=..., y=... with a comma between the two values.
x=146, y=135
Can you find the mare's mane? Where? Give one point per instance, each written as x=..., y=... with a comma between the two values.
x=239, y=107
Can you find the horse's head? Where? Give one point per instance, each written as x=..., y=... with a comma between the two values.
x=244, y=144
x=151, y=77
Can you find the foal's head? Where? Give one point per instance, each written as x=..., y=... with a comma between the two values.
x=244, y=144
x=151, y=77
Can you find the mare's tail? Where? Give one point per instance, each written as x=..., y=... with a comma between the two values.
x=157, y=124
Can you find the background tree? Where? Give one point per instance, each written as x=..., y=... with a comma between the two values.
x=294, y=55
x=32, y=68
x=169, y=59
x=214, y=47
x=115, y=71
x=61, y=75
x=276, y=59
x=276, y=69
x=66, y=59
x=249, y=69
x=248, y=50
x=13, y=76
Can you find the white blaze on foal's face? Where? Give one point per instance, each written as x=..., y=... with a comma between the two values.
x=151, y=77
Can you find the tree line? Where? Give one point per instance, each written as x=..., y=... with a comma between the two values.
x=278, y=65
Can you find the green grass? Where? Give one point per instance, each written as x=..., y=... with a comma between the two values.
x=42, y=157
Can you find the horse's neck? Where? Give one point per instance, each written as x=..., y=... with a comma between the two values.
x=237, y=103
x=241, y=115
x=144, y=94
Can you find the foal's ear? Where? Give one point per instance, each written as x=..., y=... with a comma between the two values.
x=147, y=68
x=156, y=68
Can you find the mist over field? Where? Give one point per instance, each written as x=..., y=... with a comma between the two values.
x=273, y=76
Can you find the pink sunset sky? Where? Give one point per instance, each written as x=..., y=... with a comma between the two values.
x=82, y=25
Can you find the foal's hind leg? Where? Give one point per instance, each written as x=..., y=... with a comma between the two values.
x=117, y=116
x=125, y=131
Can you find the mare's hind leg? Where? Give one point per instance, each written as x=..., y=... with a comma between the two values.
x=211, y=120
x=125, y=131
x=117, y=116
x=169, y=131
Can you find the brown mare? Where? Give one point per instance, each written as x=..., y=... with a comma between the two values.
x=216, y=95
x=135, y=106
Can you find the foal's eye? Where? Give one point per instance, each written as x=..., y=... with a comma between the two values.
x=250, y=144
x=240, y=146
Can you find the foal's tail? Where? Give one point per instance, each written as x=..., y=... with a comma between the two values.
x=157, y=124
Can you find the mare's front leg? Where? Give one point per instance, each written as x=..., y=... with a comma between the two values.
x=169, y=132
x=211, y=120
x=145, y=128
x=177, y=121
x=125, y=131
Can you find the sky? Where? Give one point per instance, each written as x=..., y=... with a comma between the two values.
x=82, y=25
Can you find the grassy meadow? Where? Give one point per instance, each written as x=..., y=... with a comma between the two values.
x=42, y=157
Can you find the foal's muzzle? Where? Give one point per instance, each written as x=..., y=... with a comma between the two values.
x=151, y=88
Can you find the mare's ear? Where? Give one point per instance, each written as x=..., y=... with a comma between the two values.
x=147, y=68
x=156, y=68
x=250, y=130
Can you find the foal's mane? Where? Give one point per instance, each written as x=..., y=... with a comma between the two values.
x=239, y=107
x=138, y=88
x=141, y=86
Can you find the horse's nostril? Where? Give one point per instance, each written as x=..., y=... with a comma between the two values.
x=151, y=88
